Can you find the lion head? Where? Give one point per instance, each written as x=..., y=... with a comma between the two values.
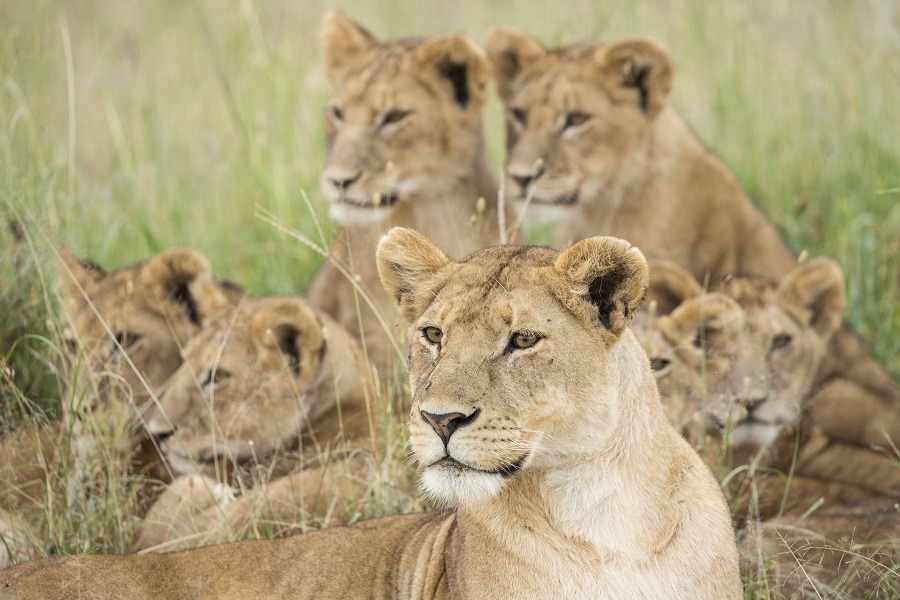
x=579, y=118
x=132, y=324
x=252, y=383
x=403, y=120
x=745, y=358
x=505, y=351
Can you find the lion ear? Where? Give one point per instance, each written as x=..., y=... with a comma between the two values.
x=184, y=277
x=283, y=323
x=636, y=71
x=459, y=67
x=406, y=260
x=342, y=41
x=705, y=322
x=670, y=285
x=510, y=52
x=78, y=275
x=610, y=274
x=813, y=293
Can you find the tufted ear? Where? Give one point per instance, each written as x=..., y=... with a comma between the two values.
x=636, y=71
x=705, y=322
x=342, y=41
x=77, y=275
x=458, y=66
x=184, y=277
x=813, y=293
x=610, y=274
x=406, y=259
x=670, y=285
x=285, y=323
x=510, y=52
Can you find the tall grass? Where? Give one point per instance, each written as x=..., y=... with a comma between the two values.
x=129, y=127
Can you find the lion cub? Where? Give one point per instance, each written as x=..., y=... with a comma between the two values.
x=273, y=388
x=534, y=414
x=405, y=147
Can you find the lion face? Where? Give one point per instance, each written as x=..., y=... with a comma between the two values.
x=773, y=367
x=250, y=385
x=579, y=118
x=402, y=121
x=507, y=354
x=129, y=327
x=747, y=357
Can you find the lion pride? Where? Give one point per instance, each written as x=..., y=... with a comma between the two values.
x=534, y=415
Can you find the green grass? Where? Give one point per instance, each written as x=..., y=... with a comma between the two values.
x=130, y=127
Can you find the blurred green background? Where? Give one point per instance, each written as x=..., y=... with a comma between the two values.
x=128, y=127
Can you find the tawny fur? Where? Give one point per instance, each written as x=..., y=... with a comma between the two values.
x=430, y=162
x=592, y=137
x=605, y=499
x=277, y=390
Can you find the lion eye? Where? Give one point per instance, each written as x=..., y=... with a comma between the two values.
x=336, y=113
x=658, y=364
x=433, y=334
x=782, y=340
x=126, y=340
x=573, y=119
x=519, y=115
x=215, y=377
x=394, y=116
x=523, y=340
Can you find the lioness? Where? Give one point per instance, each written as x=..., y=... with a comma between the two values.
x=405, y=147
x=275, y=377
x=535, y=413
x=592, y=140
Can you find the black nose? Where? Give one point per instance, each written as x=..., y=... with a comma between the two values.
x=522, y=180
x=343, y=182
x=444, y=425
x=752, y=403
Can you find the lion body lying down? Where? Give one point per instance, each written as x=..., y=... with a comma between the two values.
x=535, y=413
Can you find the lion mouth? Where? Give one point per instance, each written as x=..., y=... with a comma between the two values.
x=448, y=462
x=377, y=201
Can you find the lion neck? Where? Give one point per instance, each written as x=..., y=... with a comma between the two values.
x=606, y=501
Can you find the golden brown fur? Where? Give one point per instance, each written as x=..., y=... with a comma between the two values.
x=405, y=147
x=274, y=388
x=567, y=480
x=593, y=140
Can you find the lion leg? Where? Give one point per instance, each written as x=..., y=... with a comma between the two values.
x=182, y=512
x=27, y=457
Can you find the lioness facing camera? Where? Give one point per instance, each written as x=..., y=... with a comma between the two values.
x=534, y=413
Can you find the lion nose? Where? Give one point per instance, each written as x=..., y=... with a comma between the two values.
x=342, y=180
x=753, y=402
x=444, y=425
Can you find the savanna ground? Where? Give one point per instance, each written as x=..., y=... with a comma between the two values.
x=130, y=127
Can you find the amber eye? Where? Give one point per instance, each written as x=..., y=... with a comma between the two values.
x=519, y=115
x=658, y=364
x=782, y=340
x=523, y=340
x=574, y=119
x=394, y=116
x=336, y=113
x=433, y=334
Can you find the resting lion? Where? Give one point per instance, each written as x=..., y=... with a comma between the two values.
x=405, y=147
x=593, y=141
x=127, y=331
x=263, y=392
x=534, y=413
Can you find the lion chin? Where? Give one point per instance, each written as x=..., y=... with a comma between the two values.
x=456, y=485
x=351, y=214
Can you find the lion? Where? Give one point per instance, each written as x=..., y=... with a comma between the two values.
x=534, y=417
x=405, y=147
x=593, y=141
x=273, y=388
x=126, y=334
